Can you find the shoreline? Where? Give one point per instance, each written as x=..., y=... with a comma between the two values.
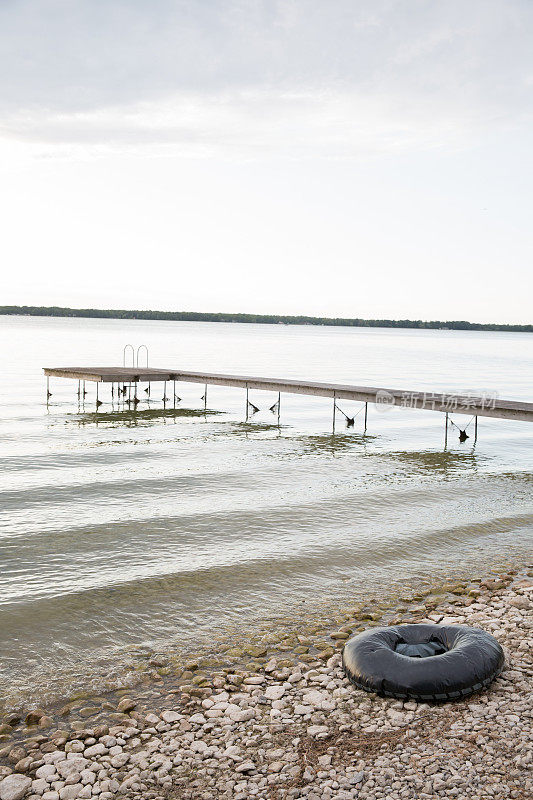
x=302, y=632
x=261, y=319
x=262, y=696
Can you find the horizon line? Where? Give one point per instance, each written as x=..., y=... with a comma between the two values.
x=249, y=318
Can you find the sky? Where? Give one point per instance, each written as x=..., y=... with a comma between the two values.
x=355, y=158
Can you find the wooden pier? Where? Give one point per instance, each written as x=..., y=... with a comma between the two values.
x=447, y=403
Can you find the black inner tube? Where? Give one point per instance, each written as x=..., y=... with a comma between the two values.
x=423, y=662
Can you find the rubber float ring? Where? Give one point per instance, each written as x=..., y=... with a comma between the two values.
x=427, y=663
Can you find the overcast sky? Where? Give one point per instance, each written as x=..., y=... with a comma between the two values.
x=366, y=158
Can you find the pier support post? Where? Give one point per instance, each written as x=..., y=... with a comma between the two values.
x=446, y=432
x=475, y=430
x=334, y=409
x=366, y=414
x=275, y=407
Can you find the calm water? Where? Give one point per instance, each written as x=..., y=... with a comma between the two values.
x=157, y=527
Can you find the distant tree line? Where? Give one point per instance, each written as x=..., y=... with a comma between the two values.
x=269, y=319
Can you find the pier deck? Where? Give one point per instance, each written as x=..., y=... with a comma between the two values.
x=483, y=406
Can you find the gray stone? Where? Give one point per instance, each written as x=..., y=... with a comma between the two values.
x=317, y=730
x=98, y=749
x=274, y=692
x=71, y=792
x=14, y=787
x=246, y=766
x=70, y=766
x=198, y=719
x=171, y=716
x=45, y=771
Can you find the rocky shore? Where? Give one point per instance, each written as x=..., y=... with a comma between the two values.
x=295, y=727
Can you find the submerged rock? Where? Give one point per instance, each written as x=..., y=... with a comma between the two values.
x=126, y=704
x=33, y=717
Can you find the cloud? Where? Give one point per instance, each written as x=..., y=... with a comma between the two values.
x=299, y=77
x=334, y=124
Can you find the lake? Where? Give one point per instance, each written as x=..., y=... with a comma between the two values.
x=154, y=529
